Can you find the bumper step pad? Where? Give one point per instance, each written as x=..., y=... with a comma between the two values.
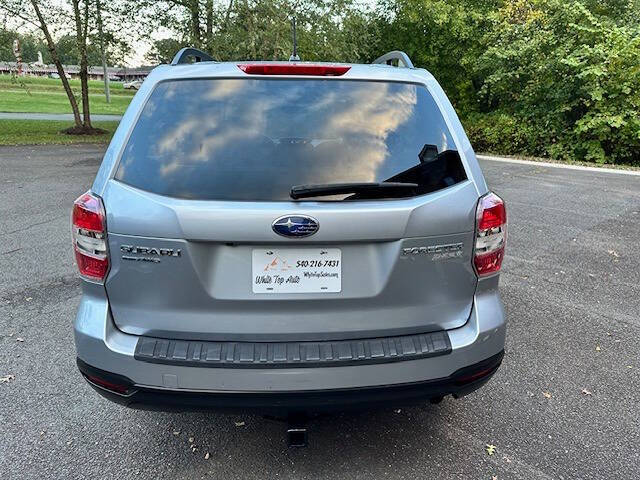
x=292, y=354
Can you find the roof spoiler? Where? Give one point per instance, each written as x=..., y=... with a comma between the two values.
x=186, y=52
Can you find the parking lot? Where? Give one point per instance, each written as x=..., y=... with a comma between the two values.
x=563, y=405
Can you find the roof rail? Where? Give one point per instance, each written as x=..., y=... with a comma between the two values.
x=183, y=54
x=401, y=57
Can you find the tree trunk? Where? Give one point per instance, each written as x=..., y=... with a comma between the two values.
x=209, y=21
x=227, y=15
x=105, y=74
x=251, y=33
x=81, y=38
x=56, y=60
x=194, y=8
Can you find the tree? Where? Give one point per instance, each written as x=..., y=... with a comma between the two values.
x=556, y=78
x=32, y=13
x=29, y=44
x=565, y=81
x=43, y=25
x=67, y=47
x=260, y=29
x=163, y=51
x=81, y=16
x=443, y=36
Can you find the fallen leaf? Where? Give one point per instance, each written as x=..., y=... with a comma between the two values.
x=176, y=432
x=597, y=348
x=613, y=253
x=239, y=424
x=206, y=456
x=491, y=449
x=7, y=378
x=586, y=392
x=546, y=394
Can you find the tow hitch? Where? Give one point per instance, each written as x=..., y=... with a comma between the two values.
x=297, y=436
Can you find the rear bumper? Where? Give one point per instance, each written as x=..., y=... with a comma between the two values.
x=461, y=383
x=105, y=349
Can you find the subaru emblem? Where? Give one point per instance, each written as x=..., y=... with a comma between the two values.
x=296, y=226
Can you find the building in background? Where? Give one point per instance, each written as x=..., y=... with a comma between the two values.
x=39, y=69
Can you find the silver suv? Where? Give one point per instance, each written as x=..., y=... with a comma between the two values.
x=288, y=237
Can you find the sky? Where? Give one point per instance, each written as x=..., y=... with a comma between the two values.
x=140, y=48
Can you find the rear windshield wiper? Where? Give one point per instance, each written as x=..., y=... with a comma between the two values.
x=363, y=190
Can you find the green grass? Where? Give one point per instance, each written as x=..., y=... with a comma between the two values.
x=36, y=82
x=45, y=132
x=57, y=102
x=47, y=95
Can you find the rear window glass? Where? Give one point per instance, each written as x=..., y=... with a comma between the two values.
x=254, y=139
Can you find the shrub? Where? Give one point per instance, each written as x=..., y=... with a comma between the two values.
x=560, y=81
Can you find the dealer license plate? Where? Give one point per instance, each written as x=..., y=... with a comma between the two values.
x=297, y=270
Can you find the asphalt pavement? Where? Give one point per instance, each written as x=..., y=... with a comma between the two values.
x=563, y=405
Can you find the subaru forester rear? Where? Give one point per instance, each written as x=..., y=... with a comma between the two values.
x=288, y=237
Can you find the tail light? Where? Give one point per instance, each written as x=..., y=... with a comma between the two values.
x=294, y=69
x=491, y=235
x=107, y=385
x=89, y=232
x=112, y=382
x=479, y=370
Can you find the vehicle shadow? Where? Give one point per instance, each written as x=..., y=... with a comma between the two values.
x=363, y=441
